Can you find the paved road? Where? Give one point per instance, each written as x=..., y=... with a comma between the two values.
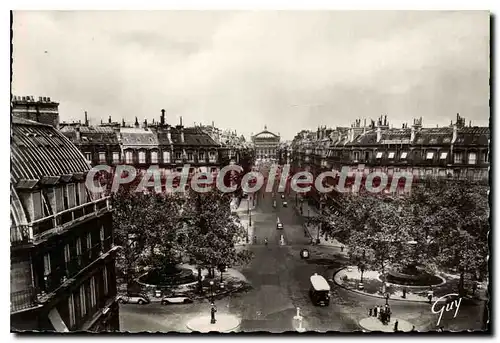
x=280, y=284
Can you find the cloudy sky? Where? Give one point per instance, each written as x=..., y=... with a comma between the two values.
x=244, y=70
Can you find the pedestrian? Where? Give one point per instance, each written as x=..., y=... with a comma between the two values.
x=413, y=328
x=370, y=312
x=375, y=311
x=430, y=294
x=404, y=292
x=388, y=313
x=396, y=326
x=341, y=248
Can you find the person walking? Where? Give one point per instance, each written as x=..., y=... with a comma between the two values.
x=370, y=312
x=396, y=326
x=375, y=311
x=430, y=294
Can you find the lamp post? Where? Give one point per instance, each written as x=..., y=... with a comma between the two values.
x=249, y=215
x=212, y=309
x=211, y=291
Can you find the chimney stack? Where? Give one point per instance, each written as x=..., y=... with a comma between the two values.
x=145, y=125
x=412, y=135
x=180, y=121
x=379, y=133
x=162, y=118
x=123, y=122
x=455, y=134
x=109, y=120
x=136, y=124
x=86, y=119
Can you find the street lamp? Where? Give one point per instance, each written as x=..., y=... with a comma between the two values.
x=249, y=215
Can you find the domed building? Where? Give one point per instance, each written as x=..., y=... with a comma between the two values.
x=266, y=145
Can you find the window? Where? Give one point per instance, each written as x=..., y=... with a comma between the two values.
x=102, y=157
x=457, y=158
x=154, y=157
x=190, y=156
x=67, y=254
x=78, y=246
x=443, y=155
x=129, y=157
x=472, y=158
x=105, y=278
x=71, y=195
x=166, y=157
x=391, y=155
x=89, y=240
x=37, y=205
x=429, y=155
x=486, y=156
x=82, y=193
x=93, y=301
x=101, y=234
x=201, y=155
x=116, y=157
x=142, y=157
x=212, y=154
x=379, y=155
x=71, y=310
x=178, y=156
x=46, y=264
x=88, y=156
x=83, y=301
x=356, y=155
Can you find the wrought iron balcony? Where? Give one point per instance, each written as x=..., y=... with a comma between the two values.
x=21, y=300
x=28, y=233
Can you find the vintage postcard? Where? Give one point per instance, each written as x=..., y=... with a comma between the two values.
x=250, y=171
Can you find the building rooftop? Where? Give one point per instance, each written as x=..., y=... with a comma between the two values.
x=40, y=153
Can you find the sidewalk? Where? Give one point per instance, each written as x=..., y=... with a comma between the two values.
x=310, y=211
x=246, y=204
x=349, y=278
x=375, y=324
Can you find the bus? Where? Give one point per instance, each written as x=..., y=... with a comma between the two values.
x=320, y=290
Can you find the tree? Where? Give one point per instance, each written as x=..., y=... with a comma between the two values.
x=212, y=231
x=146, y=226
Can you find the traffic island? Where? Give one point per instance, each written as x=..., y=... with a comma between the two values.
x=224, y=323
x=349, y=279
x=375, y=324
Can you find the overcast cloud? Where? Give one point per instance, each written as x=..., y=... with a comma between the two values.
x=244, y=70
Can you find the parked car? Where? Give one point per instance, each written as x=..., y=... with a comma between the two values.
x=285, y=204
x=176, y=299
x=279, y=226
x=134, y=298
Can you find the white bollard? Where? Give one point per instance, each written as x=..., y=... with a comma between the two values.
x=298, y=316
x=300, y=328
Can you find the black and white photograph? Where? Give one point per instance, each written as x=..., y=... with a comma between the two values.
x=239, y=171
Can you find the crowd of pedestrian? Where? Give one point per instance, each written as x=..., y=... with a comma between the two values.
x=381, y=313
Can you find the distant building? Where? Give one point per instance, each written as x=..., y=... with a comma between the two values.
x=455, y=152
x=43, y=110
x=266, y=145
x=62, y=250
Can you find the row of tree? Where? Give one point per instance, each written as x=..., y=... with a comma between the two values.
x=440, y=225
x=159, y=230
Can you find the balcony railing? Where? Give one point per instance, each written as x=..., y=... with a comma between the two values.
x=68, y=270
x=25, y=234
x=21, y=300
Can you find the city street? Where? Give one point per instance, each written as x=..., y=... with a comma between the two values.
x=280, y=283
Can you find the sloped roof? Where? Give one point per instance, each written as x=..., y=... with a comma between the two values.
x=131, y=136
x=192, y=136
x=91, y=134
x=472, y=136
x=38, y=151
